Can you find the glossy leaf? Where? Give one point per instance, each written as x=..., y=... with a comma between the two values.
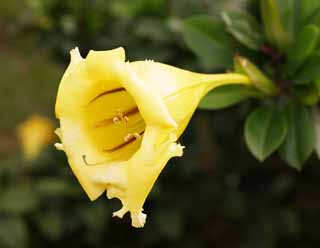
x=208, y=39
x=307, y=94
x=303, y=47
x=310, y=71
x=226, y=96
x=316, y=83
x=300, y=140
x=244, y=28
x=290, y=16
x=273, y=25
x=309, y=9
x=265, y=130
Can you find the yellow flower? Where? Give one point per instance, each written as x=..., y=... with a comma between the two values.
x=119, y=122
x=34, y=134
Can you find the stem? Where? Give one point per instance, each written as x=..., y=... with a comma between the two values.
x=226, y=79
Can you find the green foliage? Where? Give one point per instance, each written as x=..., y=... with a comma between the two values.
x=260, y=80
x=12, y=197
x=236, y=203
x=302, y=47
x=208, y=39
x=226, y=96
x=34, y=72
x=310, y=11
x=310, y=70
x=265, y=130
x=284, y=63
x=300, y=140
x=244, y=28
x=273, y=24
x=13, y=233
x=290, y=17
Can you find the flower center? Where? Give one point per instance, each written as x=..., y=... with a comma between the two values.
x=114, y=124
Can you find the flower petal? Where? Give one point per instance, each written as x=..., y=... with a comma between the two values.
x=150, y=103
x=120, y=122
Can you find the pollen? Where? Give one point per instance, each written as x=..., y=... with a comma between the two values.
x=120, y=116
x=115, y=119
x=128, y=137
x=132, y=136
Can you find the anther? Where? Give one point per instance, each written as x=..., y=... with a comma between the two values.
x=120, y=114
x=137, y=136
x=115, y=119
x=128, y=137
x=126, y=120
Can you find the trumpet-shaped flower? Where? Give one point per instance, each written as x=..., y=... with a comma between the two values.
x=120, y=121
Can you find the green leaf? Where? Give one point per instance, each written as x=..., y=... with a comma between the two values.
x=309, y=9
x=226, y=96
x=244, y=28
x=265, y=130
x=300, y=140
x=303, y=46
x=316, y=83
x=310, y=70
x=307, y=94
x=13, y=233
x=290, y=16
x=208, y=39
x=273, y=25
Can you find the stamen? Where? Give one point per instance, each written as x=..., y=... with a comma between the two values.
x=84, y=158
x=129, y=140
x=137, y=136
x=103, y=123
x=115, y=119
x=126, y=119
x=120, y=114
x=131, y=136
x=128, y=137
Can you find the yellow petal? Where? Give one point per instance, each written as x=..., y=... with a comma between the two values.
x=119, y=122
x=181, y=90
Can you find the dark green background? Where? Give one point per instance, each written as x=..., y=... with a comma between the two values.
x=216, y=195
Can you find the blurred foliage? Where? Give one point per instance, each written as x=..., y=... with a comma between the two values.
x=217, y=195
x=277, y=47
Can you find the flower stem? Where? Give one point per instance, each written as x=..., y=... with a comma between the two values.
x=217, y=80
